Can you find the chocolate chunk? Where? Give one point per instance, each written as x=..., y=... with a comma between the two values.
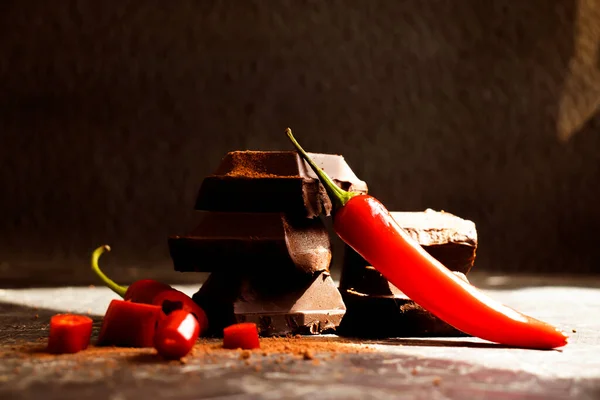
x=305, y=305
x=377, y=308
x=448, y=238
x=389, y=316
x=274, y=181
x=254, y=242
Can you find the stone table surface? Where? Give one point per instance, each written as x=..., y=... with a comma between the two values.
x=402, y=368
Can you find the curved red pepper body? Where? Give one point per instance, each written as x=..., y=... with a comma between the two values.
x=366, y=226
x=145, y=290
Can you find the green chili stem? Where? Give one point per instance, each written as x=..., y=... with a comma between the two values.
x=118, y=289
x=339, y=196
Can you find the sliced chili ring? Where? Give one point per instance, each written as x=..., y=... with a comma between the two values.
x=176, y=334
x=69, y=333
x=241, y=336
x=171, y=300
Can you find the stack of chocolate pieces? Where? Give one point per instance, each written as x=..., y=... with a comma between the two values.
x=260, y=236
x=376, y=308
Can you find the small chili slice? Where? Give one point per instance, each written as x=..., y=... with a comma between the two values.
x=363, y=223
x=171, y=300
x=69, y=333
x=128, y=324
x=176, y=334
x=241, y=336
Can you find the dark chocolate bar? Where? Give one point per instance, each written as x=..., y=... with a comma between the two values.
x=274, y=181
x=376, y=308
x=305, y=305
x=448, y=238
x=237, y=242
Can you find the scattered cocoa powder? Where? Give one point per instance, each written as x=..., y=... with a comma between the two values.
x=308, y=355
x=281, y=350
x=245, y=354
x=299, y=346
x=248, y=164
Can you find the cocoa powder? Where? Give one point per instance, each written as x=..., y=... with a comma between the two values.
x=304, y=347
x=251, y=164
x=247, y=167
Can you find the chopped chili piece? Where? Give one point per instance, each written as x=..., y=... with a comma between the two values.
x=241, y=336
x=69, y=333
x=171, y=300
x=176, y=334
x=363, y=223
x=149, y=291
x=128, y=324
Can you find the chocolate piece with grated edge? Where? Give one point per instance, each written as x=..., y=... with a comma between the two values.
x=274, y=181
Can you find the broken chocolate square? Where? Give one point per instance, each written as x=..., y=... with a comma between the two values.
x=304, y=305
x=274, y=181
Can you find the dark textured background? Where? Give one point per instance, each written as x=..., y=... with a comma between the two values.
x=111, y=113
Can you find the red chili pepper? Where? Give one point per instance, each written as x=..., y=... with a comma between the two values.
x=172, y=300
x=241, y=336
x=176, y=334
x=149, y=291
x=365, y=224
x=145, y=291
x=128, y=324
x=69, y=333
x=142, y=291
